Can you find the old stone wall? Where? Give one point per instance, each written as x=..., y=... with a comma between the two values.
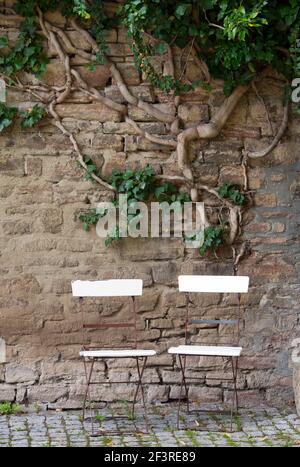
x=43, y=246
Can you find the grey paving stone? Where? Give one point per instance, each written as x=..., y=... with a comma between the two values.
x=264, y=428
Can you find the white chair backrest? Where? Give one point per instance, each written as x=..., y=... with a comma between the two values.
x=214, y=284
x=110, y=288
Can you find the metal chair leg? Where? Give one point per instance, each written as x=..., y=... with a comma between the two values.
x=87, y=391
x=140, y=373
x=235, y=384
x=183, y=383
x=140, y=386
x=235, y=401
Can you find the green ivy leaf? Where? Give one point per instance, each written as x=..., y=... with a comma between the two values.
x=3, y=42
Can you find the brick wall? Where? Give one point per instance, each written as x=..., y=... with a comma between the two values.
x=43, y=246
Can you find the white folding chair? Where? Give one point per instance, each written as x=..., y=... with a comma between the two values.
x=93, y=352
x=210, y=284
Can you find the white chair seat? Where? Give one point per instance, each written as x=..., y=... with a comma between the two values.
x=117, y=353
x=206, y=350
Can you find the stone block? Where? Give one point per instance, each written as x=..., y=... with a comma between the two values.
x=148, y=301
x=16, y=228
x=157, y=394
x=191, y=113
x=258, y=227
x=166, y=273
x=7, y=393
x=11, y=166
x=51, y=220
x=18, y=373
x=231, y=174
x=161, y=323
x=205, y=300
x=130, y=74
x=140, y=116
x=33, y=166
x=47, y=393
x=113, y=160
x=267, y=200
x=101, y=141
x=143, y=92
x=97, y=78
x=55, y=74
x=88, y=112
x=150, y=249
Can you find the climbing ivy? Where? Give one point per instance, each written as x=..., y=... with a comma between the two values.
x=213, y=238
x=90, y=218
x=236, y=39
x=232, y=40
x=232, y=192
x=137, y=185
x=29, y=118
x=32, y=116
x=91, y=169
x=27, y=54
x=7, y=116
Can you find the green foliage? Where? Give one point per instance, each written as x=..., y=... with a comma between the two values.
x=137, y=185
x=91, y=170
x=213, y=239
x=86, y=10
x=80, y=8
x=238, y=23
x=237, y=39
x=166, y=83
x=29, y=118
x=232, y=192
x=141, y=186
x=91, y=218
x=99, y=26
x=32, y=117
x=7, y=116
x=8, y=408
x=169, y=193
x=67, y=7
x=115, y=235
x=3, y=42
x=28, y=53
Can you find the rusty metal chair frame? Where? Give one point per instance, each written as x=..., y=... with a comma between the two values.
x=91, y=353
x=232, y=353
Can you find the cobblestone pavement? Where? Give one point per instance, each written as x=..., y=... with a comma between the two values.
x=263, y=427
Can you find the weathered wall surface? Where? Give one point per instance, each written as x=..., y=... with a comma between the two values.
x=43, y=246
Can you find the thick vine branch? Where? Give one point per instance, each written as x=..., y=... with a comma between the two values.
x=154, y=139
x=207, y=130
x=65, y=59
x=123, y=88
x=276, y=140
x=65, y=47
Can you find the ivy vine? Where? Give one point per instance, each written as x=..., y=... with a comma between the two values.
x=232, y=192
x=7, y=116
x=29, y=118
x=232, y=40
x=137, y=185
